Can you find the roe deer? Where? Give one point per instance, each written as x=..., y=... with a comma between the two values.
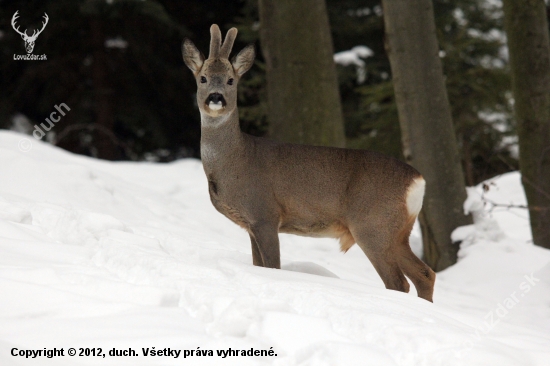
x=268, y=187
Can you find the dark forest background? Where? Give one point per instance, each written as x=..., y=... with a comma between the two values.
x=117, y=64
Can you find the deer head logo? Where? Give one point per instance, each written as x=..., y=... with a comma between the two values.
x=29, y=40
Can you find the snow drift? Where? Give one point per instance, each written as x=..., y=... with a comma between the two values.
x=126, y=256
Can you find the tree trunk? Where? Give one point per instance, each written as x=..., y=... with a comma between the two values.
x=302, y=88
x=429, y=141
x=529, y=48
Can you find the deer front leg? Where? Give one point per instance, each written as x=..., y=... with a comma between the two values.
x=265, y=245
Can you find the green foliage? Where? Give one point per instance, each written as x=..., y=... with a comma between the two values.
x=471, y=41
x=152, y=93
x=369, y=110
x=252, y=87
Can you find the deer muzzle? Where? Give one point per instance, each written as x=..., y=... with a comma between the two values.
x=215, y=101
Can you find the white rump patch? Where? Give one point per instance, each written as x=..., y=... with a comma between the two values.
x=415, y=195
x=215, y=106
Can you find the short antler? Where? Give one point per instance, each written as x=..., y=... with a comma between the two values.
x=217, y=49
x=13, y=19
x=215, y=41
x=228, y=43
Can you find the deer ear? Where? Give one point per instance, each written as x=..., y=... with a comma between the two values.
x=244, y=60
x=192, y=57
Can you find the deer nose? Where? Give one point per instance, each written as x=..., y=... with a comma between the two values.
x=215, y=100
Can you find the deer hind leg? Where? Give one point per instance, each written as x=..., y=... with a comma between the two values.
x=417, y=271
x=256, y=255
x=376, y=243
x=265, y=245
x=420, y=274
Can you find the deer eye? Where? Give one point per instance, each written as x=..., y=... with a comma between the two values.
x=203, y=79
x=230, y=81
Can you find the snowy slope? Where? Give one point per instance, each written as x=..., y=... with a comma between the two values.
x=133, y=255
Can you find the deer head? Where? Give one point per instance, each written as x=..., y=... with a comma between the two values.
x=217, y=77
x=29, y=40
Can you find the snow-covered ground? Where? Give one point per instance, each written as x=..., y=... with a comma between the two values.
x=126, y=256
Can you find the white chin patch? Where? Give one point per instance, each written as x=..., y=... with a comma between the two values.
x=215, y=107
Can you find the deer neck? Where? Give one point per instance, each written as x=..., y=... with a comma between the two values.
x=221, y=139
